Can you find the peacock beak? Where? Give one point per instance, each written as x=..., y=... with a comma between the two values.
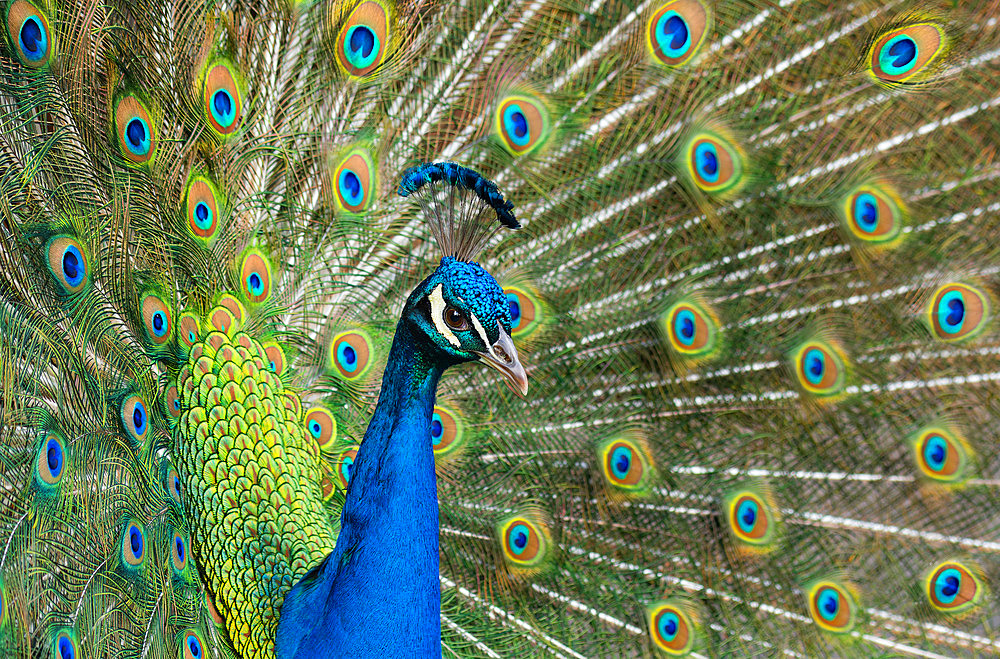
x=502, y=356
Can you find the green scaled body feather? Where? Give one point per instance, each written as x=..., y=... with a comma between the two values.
x=755, y=292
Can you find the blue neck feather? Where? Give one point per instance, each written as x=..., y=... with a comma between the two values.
x=378, y=594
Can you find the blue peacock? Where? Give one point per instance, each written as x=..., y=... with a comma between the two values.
x=754, y=294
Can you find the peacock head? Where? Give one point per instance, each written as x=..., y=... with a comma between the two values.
x=461, y=312
x=460, y=309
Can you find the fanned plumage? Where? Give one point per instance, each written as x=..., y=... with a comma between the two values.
x=754, y=289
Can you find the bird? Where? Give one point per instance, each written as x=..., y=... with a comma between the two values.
x=730, y=266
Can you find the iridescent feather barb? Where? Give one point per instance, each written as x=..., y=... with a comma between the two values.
x=460, y=206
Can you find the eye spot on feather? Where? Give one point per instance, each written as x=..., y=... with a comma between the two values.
x=958, y=312
x=447, y=431
x=874, y=214
x=691, y=329
x=276, y=362
x=29, y=32
x=202, y=208
x=188, y=329
x=172, y=403
x=832, y=606
x=135, y=130
x=672, y=626
x=752, y=518
x=222, y=98
x=222, y=320
x=905, y=54
x=345, y=466
x=178, y=553
x=350, y=354
x=135, y=418
x=525, y=311
x=524, y=542
x=157, y=319
x=354, y=181
x=51, y=461
x=676, y=31
x=714, y=163
x=65, y=645
x=67, y=261
x=953, y=587
x=820, y=369
x=522, y=124
x=255, y=276
x=363, y=41
x=941, y=455
x=192, y=645
x=133, y=545
x=172, y=484
x=625, y=464
x=322, y=427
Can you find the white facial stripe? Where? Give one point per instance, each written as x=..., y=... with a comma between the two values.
x=480, y=331
x=437, y=315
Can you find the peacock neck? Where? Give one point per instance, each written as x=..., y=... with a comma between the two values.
x=385, y=565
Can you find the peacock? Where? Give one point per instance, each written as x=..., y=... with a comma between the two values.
x=731, y=266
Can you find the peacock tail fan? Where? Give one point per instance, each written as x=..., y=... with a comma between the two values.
x=754, y=288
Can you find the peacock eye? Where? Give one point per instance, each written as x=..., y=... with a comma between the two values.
x=454, y=319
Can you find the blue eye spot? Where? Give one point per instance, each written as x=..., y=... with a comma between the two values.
x=935, y=452
x=621, y=461
x=516, y=125
x=179, y=548
x=135, y=541
x=515, y=309
x=66, y=649
x=54, y=457
x=519, y=538
x=815, y=366
x=747, y=515
x=177, y=486
x=829, y=603
x=669, y=626
x=72, y=265
x=351, y=188
x=363, y=40
x=520, y=124
x=32, y=39
x=349, y=357
x=687, y=328
x=203, y=215
x=947, y=585
x=684, y=327
x=222, y=106
x=956, y=312
x=136, y=132
x=314, y=428
x=437, y=430
x=707, y=161
x=676, y=30
x=362, y=46
x=866, y=212
x=903, y=52
x=139, y=419
x=673, y=35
